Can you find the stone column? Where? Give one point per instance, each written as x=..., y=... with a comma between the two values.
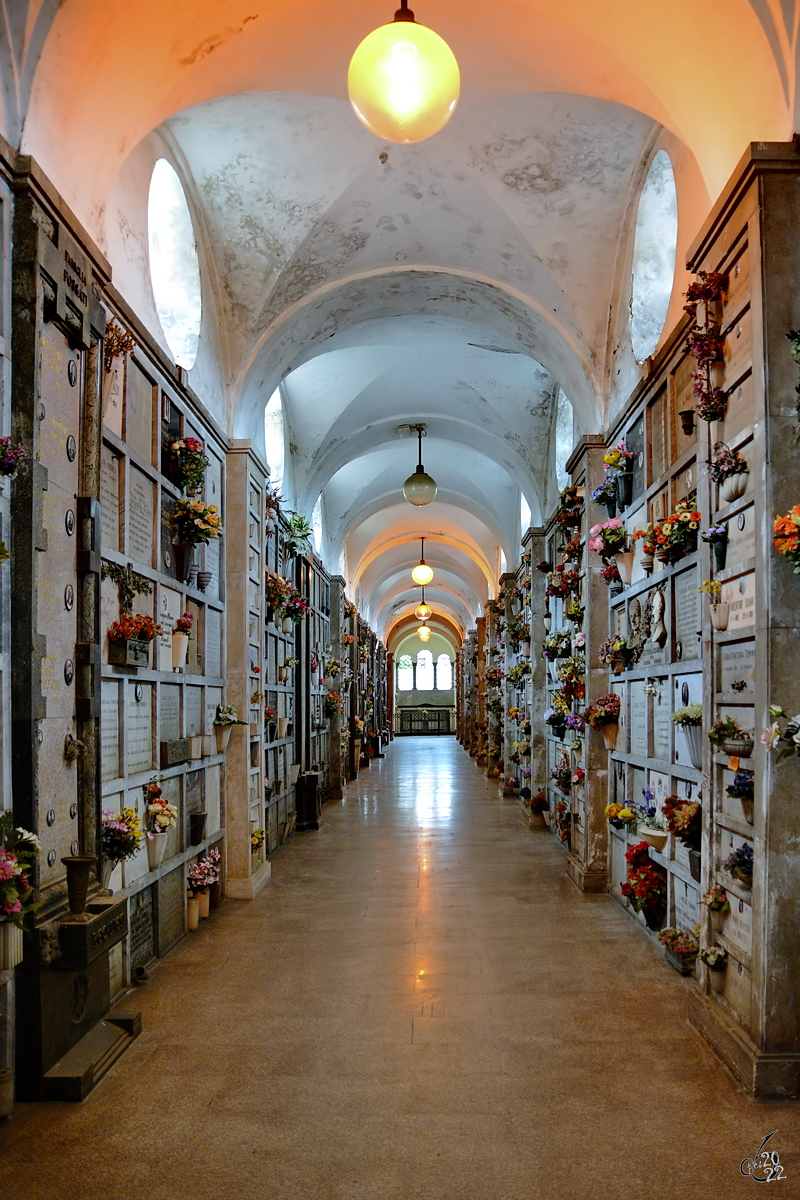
x=338, y=764
x=534, y=540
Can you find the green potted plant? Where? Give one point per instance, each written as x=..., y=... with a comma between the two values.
x=297, y=539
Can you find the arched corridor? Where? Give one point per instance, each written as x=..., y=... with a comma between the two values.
x=420, y=1005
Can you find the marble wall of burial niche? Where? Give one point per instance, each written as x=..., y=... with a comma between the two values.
x=61, y=371
x=140, y=410
x=58, y=799
x=213, y=799
x=171, y=908
x=686, y=689
x=166, y=562
x=634, y=441
x=169, y=712
x=740, y=595
x=741, y=409
x=687, y=616
x=138, y=517
x=134, y=868
x=685, y=904
x=618, y=867
x=141, y=918
x=213, y=697
x=681, y=398
x=139, y=727
x=193, y=800
x=658, y=783
x=661, y=712
x=619, y=687
x=110, y=731
x=171, y=791
x=114, y=396
x=109, y=612
x=657, y=440
x=737, y=990
x=116, y=970
x=58, y=624
x=736, y=665
x=684, y=484
x=213, y=643
x=170, y=607
x=736, y=296
x=110, y=463
x=637, y=780
x=737, y=349
x=741, y=537
x=193, y=712
x=739, y=925
x=639, y=727
x=194, y=655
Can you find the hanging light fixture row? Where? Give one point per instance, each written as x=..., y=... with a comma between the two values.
x=423, y=633
x=403, y=80
x=420, y=488
x=422, y=573
x=423, y=610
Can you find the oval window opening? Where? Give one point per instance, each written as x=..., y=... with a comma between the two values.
x=174, y=267
x=654, y=246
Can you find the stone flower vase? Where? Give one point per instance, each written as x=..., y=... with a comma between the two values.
x=180, y=647
x=718, y=918
x=10, y=945
x=192, y=911
x=222, y=734
x=610, y=732
x=719, y=615
x=79, y=868
x=287, y=625
x=156, y=845
x=694, y=738
x=205, y=903
x=733, y=487
x=624, y=560
x=185, y=555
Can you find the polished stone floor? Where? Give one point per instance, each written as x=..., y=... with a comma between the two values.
x=418, y=1006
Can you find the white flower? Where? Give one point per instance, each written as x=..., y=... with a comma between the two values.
x=771, y=736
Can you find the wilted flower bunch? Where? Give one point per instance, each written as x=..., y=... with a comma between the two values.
x=18, y=850
x=785, y=739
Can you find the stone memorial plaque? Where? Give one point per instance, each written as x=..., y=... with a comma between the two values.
x=680, y=853
x=658, y=434
x=112, y=396
x=139, y=411
x=741, y=537
x=619, y=867
x=737, y=665
x=662, y=725
x=739, y=925
x=61, y=409
x=169, y=609
x=634, y=441
x=213, y=805
x=740, y=594
x=140, y=727
x=193, y=711
x=171, y=889
x=109, y=731
x=738, y=989
x=737, y=294
x=737, y=348
x=139, y=517
x=740, y=414
x=212, y=565
x=687, y=689
x=193, y=792
x=638, y=719
x=169, y=712
x=142, y=928
x=213, y=662
x=194, y=658
x=687, y=615
x=659, y=783
x=687, y=904
x=167, y=560
x=109, y=498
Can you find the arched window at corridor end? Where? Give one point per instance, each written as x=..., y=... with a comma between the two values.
x=274, y=440
x=444, y=673
x=405, y=673
x=174, y=266
x=654, y=246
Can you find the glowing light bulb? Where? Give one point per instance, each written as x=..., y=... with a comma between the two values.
x=403, y=81
x=423, y=633
x=422, y=573
x=422, y=612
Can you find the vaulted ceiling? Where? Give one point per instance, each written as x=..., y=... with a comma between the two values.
x=459, y=282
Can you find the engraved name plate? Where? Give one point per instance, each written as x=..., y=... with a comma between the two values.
x=687, y=614
x=139, y=518
x=109, y=498
x=740, y=594
x=109, y=731
x=140, y=728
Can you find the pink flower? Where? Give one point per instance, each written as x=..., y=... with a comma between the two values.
x=596, y=544
x=16, y=907
x=771, y=736
x=8, y=863
x=614, y=523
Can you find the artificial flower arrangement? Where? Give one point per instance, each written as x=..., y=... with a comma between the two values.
x=609, y=538
x=545, y=566
x=313, y=663
x=513, y=713
x=557, y=644
x=297, y=539
x=578, y=641
x=561, y=773
x=194, y=521
x=295, y=606
x=677, y=533
x=646, y=885
x=690, y=714
x=363, y=654
x=613, y=650
x=725, y=462
x=183, y=624
x=257, y=839
x=134, y=627
x=277, y=591
x=516, y=674
x=574, y=612
x=704, y=343
x=121, y=834
x=576, y=723
x=578, y=776
x=291, y=661
x=786, y=537
x=272, y=499
x=620, y=815
x=350, y=610
x=495, y=706
x=776, y=734
x=603, y=711
x=677, y=941
x=226, y=715
x=715, y=899
x=610, y=574
x=517, y=630
x=199, y=877
x=11, y=457
x=189, y=463
x=715, y=534
x=333, y=704
x=606, y=493
x=563, y=582
x=359, y=725
x=573, y=549
x=161, y=815
x=713, y=589
x=333, y=667
x=740, y=863
x=743, y=786
x=714, y=957
x=270, y=715
x=648, y=812
x=494, y=676
x=211, y=864
x=571, y=674
x=569, y=508
x=18, y=852
x=647, y=536
x=725, y=731
x=618, y=458
x=348, y=639
x=684, y=819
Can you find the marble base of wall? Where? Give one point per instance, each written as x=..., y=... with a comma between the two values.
x=765, y=1076
x=248, y=889
x=584, y=880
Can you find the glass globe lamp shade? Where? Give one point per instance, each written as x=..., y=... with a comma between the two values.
x=422, y=573
x=422, y=612
x=420, y=488
x=403, y=82
x=423, y=633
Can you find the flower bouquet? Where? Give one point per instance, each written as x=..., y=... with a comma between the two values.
x=194, y=521
x=685, y=820
x=728, y=469
x=199, y=877
x=294, y=607
x=789, y=734
x=494, y=676
x=786, y=531
x=561, y=773
x=18, y=852
x=618, y=458
x=740, y=864
x=572, y=550
x=134, y=627
x=646, y=885
x=603, y=717
x=333, y=704
x=570, y=507
x=606, y=493
x=676, y=535
x=716, y=536
x=610, y=575
x=680, y=949
x=609, y=538
x=620, y=815
x=11, y=457
x=188, y=464
x=121, y=835
x=647, y=536
x=730, y=738
x=563, y=582
x=716, y=959
x=257, y=839
x=743, y=790
x=574, y=613
x=277, y=591
x=517, y=674
x=614, y=653
x=224, y=719
x=716, y=901
x=571, y=674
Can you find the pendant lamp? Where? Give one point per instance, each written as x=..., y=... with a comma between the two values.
x=423, y=610
x=420, y=488
x=423, y=633
x=403, y=80
x=422, y=573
